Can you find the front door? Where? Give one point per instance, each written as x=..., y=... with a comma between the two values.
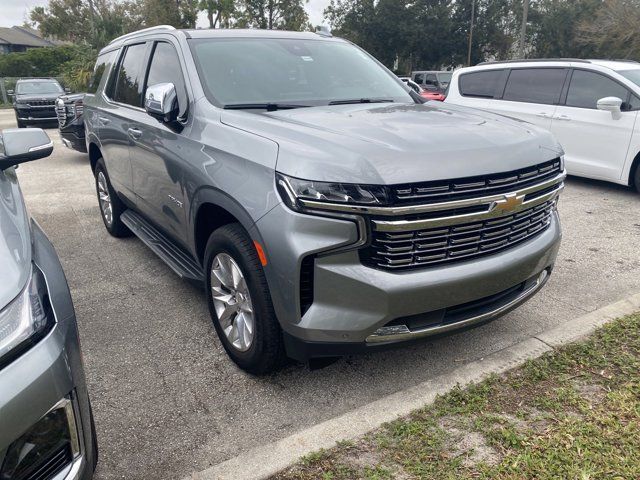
x=158, y=151
x=595, y=141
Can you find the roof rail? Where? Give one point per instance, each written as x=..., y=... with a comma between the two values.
x=144, y=30
x=533, y=60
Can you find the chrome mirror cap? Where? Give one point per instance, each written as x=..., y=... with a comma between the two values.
x=161, y=102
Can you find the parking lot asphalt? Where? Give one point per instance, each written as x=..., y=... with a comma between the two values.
x=166, y=398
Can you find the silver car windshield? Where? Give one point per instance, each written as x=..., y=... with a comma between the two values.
x=36, y=88
x=633, y=75
x=237, y=71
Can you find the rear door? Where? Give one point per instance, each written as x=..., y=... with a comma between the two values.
x=477, y=88
x=531, y=94
x=595, y=141
x=115, y=118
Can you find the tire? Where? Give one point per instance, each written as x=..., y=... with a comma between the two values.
x=111, y=219
x=636, y=178
x=94, y=440
x=265, y=351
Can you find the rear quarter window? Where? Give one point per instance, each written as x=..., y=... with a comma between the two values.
x=480, y=84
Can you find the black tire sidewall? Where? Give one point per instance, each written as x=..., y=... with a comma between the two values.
x=243, y=253
x=117, y=228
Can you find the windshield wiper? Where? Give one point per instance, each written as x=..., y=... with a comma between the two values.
x=269, y=107
x=361, y=100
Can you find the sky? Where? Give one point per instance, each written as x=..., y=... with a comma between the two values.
x=14, y=12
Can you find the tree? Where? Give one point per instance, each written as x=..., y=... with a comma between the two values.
x=219, y=12
x=612, y=31
x=273, y=14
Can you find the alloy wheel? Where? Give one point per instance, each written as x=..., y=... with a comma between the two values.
x=232, y=302
x=105, y=199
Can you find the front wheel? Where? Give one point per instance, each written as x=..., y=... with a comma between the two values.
x=239, y=301
x=636, y=178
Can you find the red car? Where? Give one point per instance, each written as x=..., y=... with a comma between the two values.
x=422, y=92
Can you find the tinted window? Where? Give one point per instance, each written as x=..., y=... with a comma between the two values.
x=431, y=80
x=419, y=78
x=480, y=84
x=102, y=63
x=535, y=85
x=587, y=88
x=128, y=84
x=165, y=68
x=38, y=87
x=634, y=103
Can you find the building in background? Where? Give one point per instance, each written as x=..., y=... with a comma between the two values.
x=19, y=39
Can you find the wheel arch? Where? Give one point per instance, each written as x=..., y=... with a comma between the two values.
x=632, y=171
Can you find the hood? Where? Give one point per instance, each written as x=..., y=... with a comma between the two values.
x=15, y=239
x=25, y=97
x=396, y=143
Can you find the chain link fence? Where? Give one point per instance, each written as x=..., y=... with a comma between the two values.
x=9, y=83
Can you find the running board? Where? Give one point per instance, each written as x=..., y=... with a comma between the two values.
x=177, y=259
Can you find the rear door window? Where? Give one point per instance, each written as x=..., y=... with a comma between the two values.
x=419, y=78
x=535, y=85
x=128, y=83
x=480, y=84
x=431, y=80
x=586, y=88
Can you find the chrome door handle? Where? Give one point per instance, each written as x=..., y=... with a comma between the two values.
x=543, y=115
x=562, y=117
x=134, y=133
x=103, y=121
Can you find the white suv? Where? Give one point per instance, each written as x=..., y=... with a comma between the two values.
x=590, y=106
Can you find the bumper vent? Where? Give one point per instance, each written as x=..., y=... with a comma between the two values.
x=57, y=461
x=306, y=284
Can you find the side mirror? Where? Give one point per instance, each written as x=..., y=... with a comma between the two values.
x=10, y=92
x=19, y=145
x=161, y=102
x=67, y=90
x=610, y=104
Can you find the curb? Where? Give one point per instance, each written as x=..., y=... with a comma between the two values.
x=267, y=460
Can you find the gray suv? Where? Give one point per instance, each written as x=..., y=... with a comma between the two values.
x=291, y=173
x=46, y=425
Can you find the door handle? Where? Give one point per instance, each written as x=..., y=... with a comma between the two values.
x=134, y=133
x=543, y=115
x=562, y=117
x=103, y=121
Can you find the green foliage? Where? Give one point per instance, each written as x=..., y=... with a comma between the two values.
x=38, y=62
x=272, y=14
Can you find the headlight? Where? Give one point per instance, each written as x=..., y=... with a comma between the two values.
x=308, y=194
x=26, y=319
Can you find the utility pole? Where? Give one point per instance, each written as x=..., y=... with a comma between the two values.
x=523, y=29
x=473, y=14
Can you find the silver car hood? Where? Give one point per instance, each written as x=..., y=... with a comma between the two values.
x=396, y=143
x=15, y=239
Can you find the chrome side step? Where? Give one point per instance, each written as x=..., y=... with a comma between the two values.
x=176, y=258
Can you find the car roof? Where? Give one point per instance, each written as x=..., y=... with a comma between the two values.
x=37, y=80
x=567, y=62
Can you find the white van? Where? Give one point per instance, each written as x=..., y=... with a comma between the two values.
x=591, y=106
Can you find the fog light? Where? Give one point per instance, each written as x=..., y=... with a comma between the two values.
x=46, y=448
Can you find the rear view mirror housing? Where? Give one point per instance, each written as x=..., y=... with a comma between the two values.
x=610, y=104
x=161, y=102
x=20, y=145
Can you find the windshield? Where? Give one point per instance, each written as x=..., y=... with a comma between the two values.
x=633, y=75
x=444, y=78
x=291, y=71
x=37, y=88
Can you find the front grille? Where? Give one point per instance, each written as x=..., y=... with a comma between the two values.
x=61, y=112
x=478, y=186
x=52, y=465
x=41, y=103
x=433, y=246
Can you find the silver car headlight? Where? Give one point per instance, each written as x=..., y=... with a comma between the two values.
x=305, y=195
x=26, y=319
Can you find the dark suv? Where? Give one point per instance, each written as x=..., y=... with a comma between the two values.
x=69, y=109
x=320, y=213
x=34, y=100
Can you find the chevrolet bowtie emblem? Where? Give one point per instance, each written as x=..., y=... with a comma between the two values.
x=510, y=203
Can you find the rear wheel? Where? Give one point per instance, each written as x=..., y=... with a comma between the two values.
x=239, y=301
x=111, y=207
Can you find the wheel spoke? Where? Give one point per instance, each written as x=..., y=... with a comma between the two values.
x=225, y=313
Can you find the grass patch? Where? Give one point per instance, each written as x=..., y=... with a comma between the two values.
x=572, y=413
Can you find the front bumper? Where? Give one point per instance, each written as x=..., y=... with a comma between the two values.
x=36, y=114
x=352, y=302
x=72, y=136
x=48, y=373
